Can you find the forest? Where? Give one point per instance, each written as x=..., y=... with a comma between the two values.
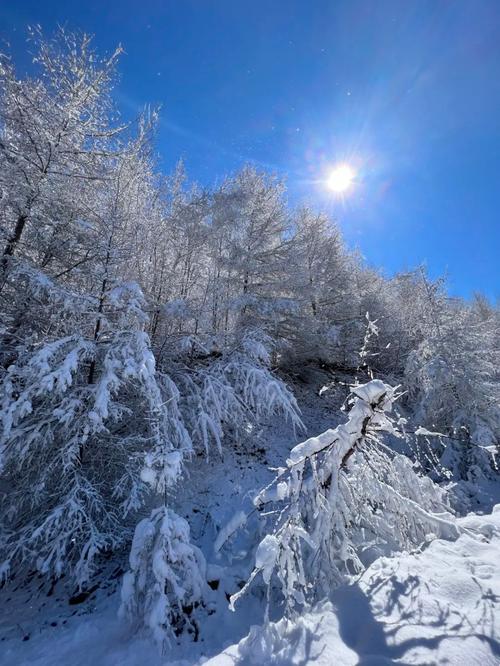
x=151, y=329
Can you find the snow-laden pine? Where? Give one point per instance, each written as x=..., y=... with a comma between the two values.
x=166, y=580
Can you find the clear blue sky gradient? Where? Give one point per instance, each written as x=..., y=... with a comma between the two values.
x=408, y=91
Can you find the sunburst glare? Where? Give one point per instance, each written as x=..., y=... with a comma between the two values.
x=341, y=179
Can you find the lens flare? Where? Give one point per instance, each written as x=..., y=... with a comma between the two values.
x=341, y=178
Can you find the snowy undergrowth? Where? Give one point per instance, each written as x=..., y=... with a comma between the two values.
x=399, y=609
x=213, y=490
x=439, y=606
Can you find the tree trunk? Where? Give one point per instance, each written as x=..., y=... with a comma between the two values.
x=13, y=241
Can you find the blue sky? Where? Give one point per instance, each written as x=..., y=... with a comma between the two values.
x=407, y=91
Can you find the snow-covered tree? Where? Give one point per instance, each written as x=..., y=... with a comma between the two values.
x=56, y=140
x=80, y=398
x=320, y=283
x=166, y=581
x=340, y=495
x=77, y=416
x=453, y=380
x=248, y=226
x=233, y=389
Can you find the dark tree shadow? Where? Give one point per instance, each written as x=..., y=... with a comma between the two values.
x=364, y=634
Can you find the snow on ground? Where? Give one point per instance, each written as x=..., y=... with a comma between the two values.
x=439, y=606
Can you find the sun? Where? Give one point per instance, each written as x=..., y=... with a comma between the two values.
x=341, y=178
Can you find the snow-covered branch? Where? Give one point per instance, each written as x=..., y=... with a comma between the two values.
x=340, y=494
